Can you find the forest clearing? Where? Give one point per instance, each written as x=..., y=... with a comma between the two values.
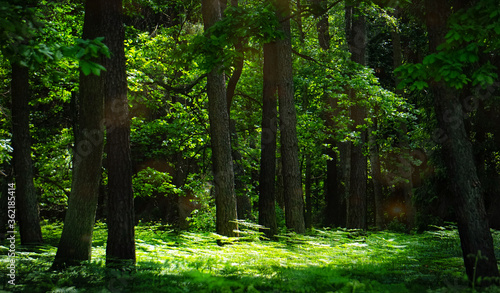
x=320, y=261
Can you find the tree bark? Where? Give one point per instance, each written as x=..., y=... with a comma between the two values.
x=120, y=249
x=356, y=203
x=294, y=202
x=26, y=198
x=76, y=239
x=267, y=181
x=225, y=199
x=473, y=228
x=376, y=177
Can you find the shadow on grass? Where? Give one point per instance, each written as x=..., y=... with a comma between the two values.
x=150, y=278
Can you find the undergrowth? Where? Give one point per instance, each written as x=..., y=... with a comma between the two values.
x=323, y=260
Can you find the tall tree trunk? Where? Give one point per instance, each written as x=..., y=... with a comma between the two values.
x=26, y=202
x=294, y=202
x=267, y=181
x=406, y=167
x=357, y=202
x=243, y=202
x=76, y=239
x=120, y=249
x=335, y=203
x=376, y=176
x=473, y=228
x=225, y=199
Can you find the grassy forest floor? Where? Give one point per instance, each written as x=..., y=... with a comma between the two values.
x=321, y=261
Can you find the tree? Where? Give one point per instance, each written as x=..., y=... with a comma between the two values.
x=357, y=203
x=294, y=202
x=376, y=174
x=225, y=199
x=335, y=209
x=120, y=247
x=475, y=236
x=26, y=203
x=16, y=31
x=267, y=181
x=76, y=239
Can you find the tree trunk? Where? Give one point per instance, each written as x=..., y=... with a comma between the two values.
x=294, y=202
x=225, y=199
x=76, y=239
x=344, y=176
x=267, y=181
x=473, y=228
x=308, y=211
x=120, y=249
x=406, y=167
x=26, y=200
x=335, y=203
x=323, y=26
x=299, y=22
x=356, y=204
x=376, y=177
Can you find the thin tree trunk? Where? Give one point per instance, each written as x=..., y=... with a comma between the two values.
x=294, y=202
x=26, y=198
x=267, y=181
x=323, y=26
x=120, y=249
x=76, y=239
x=335, y=205
x=376, y=177
x=225, y=199
x=357, y=201
x=299, y=22
x=243, y=202
x=308, y=211
x=406, y=167
x=473, y=228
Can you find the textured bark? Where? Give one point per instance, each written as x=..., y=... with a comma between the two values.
x=294, y=202
x=225, y=199
x=280, y=188
x=26, y=198
x=76, y=239
x=267, y=181
x=356, y=203
x=473, y=228
x=120, y=249
x=376, y=177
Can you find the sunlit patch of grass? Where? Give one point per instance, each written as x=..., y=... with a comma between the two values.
x=323, y=260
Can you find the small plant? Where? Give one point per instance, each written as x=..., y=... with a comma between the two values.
x=396, y=226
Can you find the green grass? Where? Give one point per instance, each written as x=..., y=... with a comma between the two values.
x=321, y=261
